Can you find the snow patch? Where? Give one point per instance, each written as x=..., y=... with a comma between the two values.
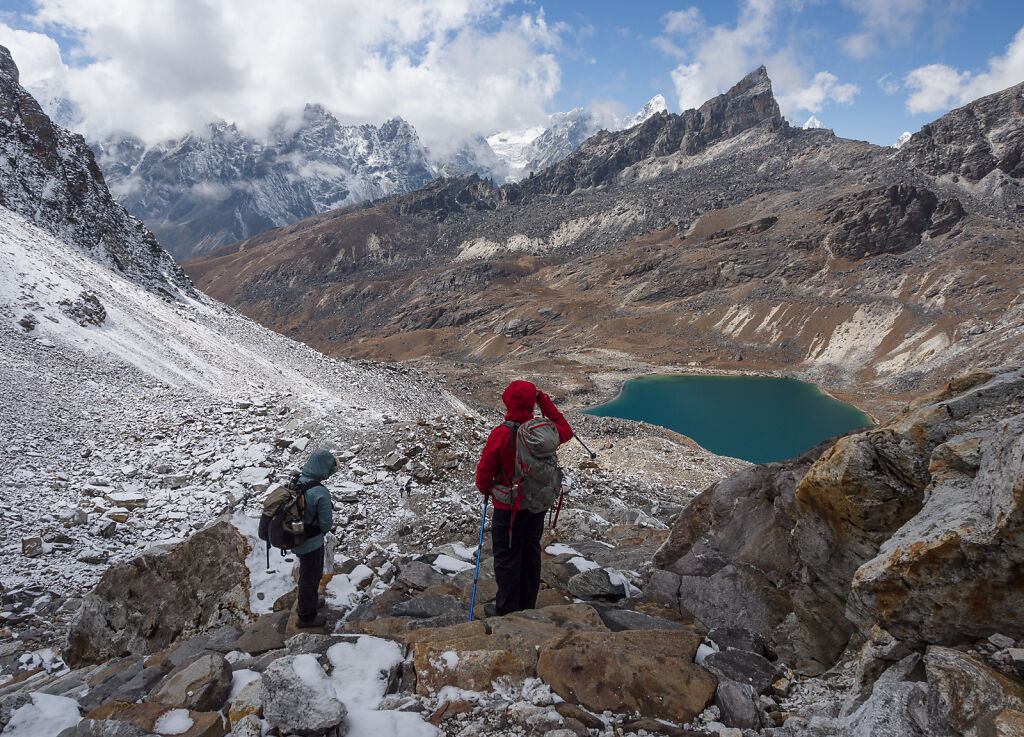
x=360, y=678
x=46, y=716
x=175, y=721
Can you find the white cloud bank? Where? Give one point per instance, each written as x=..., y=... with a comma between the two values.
x=938, y=87
x=716, y=57
x=158, y=68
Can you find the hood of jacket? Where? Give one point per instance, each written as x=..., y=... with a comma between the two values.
x=320, y=465
x=519, y=398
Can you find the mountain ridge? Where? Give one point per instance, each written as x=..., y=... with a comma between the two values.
x=53, y=180
x=707, y=238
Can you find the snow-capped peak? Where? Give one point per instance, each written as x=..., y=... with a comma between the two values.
x=904, y=137
x=655, y=105
x=813, y=123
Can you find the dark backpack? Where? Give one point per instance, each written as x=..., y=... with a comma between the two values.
x=284, y=510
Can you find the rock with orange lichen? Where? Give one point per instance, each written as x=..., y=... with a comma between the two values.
x=916, y=526
x=953, y=572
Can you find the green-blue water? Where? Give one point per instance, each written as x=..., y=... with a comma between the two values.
x=757, y=418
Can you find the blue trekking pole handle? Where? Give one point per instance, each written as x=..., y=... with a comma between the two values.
x=479, y=548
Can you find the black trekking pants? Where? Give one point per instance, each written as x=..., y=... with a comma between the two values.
x=516, y=559
x=311, y=569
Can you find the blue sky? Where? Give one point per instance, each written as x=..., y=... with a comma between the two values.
x=870, y=69
x=619, y=58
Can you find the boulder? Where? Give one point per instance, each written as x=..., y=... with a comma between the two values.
x=145, y=604
x=248, y=700
x=201, y=685
x=737, y=705
x=738, y=638
x=876, y=655
x=299, y=699
x=249, y=726
x=473, y=663
x=1001, y=723
x=914, y=525
x=418, y=575
x=962, y=690
x=743, y=667
x=597, y=583
x=650, y=672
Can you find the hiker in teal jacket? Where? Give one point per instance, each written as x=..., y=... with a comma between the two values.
x=311, y=553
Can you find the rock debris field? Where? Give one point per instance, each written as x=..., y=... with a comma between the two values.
x=132, y=429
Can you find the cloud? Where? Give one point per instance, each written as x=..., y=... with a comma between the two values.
x=716, y=57
x=888, y=20
x=450, y=67
x=938, y=87
x=888, y=84
x=36, y=54
x=684, y=22
x=893, y=22
x=824, y=87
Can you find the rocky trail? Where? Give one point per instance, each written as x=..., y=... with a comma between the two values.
x=718, y=618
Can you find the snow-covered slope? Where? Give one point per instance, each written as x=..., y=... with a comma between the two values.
x=182, y=405
x=813, y=123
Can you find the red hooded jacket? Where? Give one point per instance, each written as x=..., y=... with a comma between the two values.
x=499, y=456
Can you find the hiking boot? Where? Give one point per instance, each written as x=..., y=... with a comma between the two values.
x=321, y=602
x=317, y=621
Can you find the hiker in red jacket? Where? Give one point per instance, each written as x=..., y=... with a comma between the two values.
x=516, y=555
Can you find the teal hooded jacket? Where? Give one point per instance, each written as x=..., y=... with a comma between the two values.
x=318, y=499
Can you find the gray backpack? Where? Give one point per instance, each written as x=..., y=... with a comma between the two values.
x=537, y=479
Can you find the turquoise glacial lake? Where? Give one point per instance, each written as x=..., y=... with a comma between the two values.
x=756, y=418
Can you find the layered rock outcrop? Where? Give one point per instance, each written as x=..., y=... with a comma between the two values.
x=915, y=526
x=974, y=140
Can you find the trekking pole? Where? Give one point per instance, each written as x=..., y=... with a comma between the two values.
x=593, y=455
x=479, y=549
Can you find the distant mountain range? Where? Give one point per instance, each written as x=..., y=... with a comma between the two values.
x=722, y=237
x=219, y=184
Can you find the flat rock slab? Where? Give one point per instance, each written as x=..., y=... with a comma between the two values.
x=618, y=620
x=145, y=715
x=649, y=672
x=266, y=633
x=125, y=679
x=472, y=663
x=428, y=606
x=539, y=626
x=742, y=667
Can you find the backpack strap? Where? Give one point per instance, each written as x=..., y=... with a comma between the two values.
x=516, y=500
